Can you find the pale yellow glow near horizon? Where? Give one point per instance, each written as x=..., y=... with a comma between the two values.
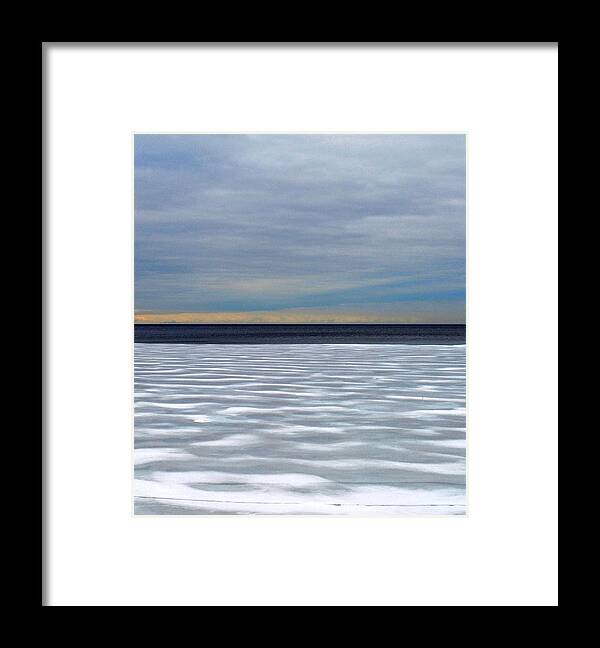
x=292, y=316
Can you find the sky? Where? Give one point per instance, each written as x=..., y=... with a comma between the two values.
x=300, y=228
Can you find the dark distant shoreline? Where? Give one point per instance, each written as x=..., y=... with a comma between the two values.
x=301, y=333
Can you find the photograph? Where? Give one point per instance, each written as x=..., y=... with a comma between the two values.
x=300, y=324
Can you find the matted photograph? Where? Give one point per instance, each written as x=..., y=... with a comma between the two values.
x=300, y=324
x=300, y=336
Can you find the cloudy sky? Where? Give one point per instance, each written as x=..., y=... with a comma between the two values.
x=300, y=228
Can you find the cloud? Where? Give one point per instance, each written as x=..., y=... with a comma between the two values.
x=245, y=223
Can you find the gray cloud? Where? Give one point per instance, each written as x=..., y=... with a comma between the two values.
x=259, y=222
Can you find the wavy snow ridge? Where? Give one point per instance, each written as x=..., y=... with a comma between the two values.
x=342, y=429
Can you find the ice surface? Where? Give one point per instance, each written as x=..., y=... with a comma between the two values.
x=342, y=429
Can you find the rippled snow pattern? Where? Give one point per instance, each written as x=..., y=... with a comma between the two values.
x=342, y=429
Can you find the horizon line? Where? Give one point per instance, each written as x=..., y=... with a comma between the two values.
x=296, y=317
x=170, y=323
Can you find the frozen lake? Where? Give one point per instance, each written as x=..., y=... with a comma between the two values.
x=333, y=429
